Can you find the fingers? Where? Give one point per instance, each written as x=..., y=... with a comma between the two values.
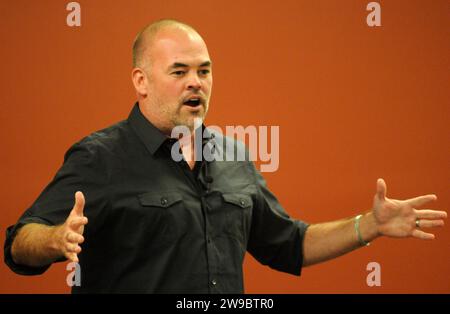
x=72, y=231
x=430, y=214
x=381, y=189
x=422, y=235
x=75, y=238
x=420, y=200
x=78, y=222
x=79, y=204
x=73, y=248
x=428, y=218
x=73, y=257
x=430, y=223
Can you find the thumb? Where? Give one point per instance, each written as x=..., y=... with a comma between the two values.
x=79, y=204
x=381, y=189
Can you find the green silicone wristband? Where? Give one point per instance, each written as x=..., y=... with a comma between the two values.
x=358, y=233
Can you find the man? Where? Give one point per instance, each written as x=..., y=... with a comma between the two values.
x=160, y=225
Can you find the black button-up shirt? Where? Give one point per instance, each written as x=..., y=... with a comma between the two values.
x=155, y=225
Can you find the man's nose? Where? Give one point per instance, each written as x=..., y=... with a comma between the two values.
x=194, y=82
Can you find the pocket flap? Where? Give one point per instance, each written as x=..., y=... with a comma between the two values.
x=160, y=199
x=241, y=200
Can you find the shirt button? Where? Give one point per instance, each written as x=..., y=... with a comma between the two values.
x=163, y=201
x=213, y=282
x=242, y=202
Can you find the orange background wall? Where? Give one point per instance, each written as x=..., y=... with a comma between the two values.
x=353, y=103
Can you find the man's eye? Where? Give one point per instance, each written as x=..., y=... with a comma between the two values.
x=204, y=72
x=178, y=73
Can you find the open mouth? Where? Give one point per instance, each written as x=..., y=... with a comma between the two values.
x=193, y=102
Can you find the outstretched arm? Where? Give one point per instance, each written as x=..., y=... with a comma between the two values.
x=38, y=245
x=388, y=217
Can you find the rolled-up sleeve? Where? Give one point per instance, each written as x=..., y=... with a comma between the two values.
x=276, y=240
x=81, y=171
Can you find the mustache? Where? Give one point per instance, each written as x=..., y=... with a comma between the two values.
x=201, y=98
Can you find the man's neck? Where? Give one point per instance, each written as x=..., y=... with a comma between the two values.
x=188, y=150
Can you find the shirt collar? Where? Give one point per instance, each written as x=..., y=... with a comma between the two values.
x=150, y=135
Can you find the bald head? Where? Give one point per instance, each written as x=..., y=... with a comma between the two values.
x=146, y=37
x=171, y=67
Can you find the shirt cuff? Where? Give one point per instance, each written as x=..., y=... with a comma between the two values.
x=11, y=232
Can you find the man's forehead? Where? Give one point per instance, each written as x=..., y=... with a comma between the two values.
x=176, y=46
x=170, y=53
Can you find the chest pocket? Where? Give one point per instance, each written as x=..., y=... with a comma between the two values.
x=236, y=208
x=164, y=217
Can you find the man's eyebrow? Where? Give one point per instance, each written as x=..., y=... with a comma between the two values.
x=206, y=64
x=178, y=65
x=182, y=65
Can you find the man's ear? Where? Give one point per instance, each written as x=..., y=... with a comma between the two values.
x=139, y=79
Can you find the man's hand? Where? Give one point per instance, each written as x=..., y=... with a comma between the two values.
x=69, y=235
x=396, y=218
